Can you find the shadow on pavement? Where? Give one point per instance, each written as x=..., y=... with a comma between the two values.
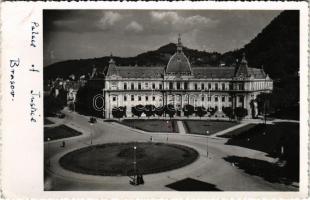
x=190, y=184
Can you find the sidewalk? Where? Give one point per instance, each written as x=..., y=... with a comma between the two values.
x=181, y=127
x=230, y=129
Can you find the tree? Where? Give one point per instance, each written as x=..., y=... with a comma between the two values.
x=201, y=111
x=170, y=110
x=119, y=112
x=52, y=105
x=228, y=111
x=159, y=111
x=211, y=110
x=188, y=110
x=137, y=110
x=241, y=112
x=149, y=110
x=84, y=101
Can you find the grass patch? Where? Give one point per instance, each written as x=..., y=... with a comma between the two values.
x=269, y=171
x=152, y=125
x=116, y=159
x=201, y=126
x=59, y=132
x=189, y=184
x=280, y=140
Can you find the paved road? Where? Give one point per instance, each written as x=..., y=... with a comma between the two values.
x=211, y=169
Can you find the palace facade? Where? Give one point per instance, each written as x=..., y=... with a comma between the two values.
x=179, y=84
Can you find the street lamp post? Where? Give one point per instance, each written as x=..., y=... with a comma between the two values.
x=48, y=153
x=168, y=127
x=207, y=132
x=91, y=133
x=134, y=164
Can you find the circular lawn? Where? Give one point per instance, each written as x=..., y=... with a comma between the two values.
x=116, y=159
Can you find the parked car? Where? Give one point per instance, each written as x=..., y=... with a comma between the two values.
x=92, y=120
x=60, y=115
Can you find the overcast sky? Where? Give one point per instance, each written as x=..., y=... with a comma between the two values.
x=79, y=34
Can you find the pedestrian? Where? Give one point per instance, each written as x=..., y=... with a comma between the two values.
x=151, y=139
x=141, y=181
x=138, y=179
x=63, y=143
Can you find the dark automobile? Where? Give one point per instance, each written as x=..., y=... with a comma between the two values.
x=60, y=115
x=92, y=120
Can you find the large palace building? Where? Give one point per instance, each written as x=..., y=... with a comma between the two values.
x=179, y=84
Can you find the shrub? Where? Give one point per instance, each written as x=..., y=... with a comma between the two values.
x=159, y=111
x=170, y=110
x=211, y=110
x=137, y=110
x=188, y=110
x=149, y=110
x=201, y=111
x=119, y=112
x=240, y=112
x=228, y=111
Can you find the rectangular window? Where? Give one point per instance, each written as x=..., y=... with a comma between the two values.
x=160, y=86
x=170, y=86
x=229, y=99
x=216, y=86
x=139, y=98
x=146, y=98
x=178, y=85
x=231, y=86
x=202, y=98
x=185, y=86
x=209, y=98
x=125, y=98
x=125, y=86
x=196, y=86
x=153, y=98
x=209, y=86
x=132, y=86
x=146, y=85
x=202, y=86
x=223, y=86
x=223, y=98
x=153, y=86
x=241, y=99
x=114, y=99
x=132, y=97
x=139, y=86
x=216, y=99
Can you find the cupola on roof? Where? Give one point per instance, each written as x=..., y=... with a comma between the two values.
x=178, y=62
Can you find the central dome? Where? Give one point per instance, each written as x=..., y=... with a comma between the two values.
x=178, y=62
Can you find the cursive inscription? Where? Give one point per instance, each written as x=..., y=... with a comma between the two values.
x=13, y=66
x=33, y=105
x=34, y=33
x=33, y=69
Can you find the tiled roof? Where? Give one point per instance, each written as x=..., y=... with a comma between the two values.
x=213, y=72
x=198, y=72
x=257, y=73
x=140, y=72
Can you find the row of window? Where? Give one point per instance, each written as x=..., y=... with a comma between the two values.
x=184, y=86
x=216, y=98
x=132, y=86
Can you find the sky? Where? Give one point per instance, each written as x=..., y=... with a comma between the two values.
x=79, y=34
